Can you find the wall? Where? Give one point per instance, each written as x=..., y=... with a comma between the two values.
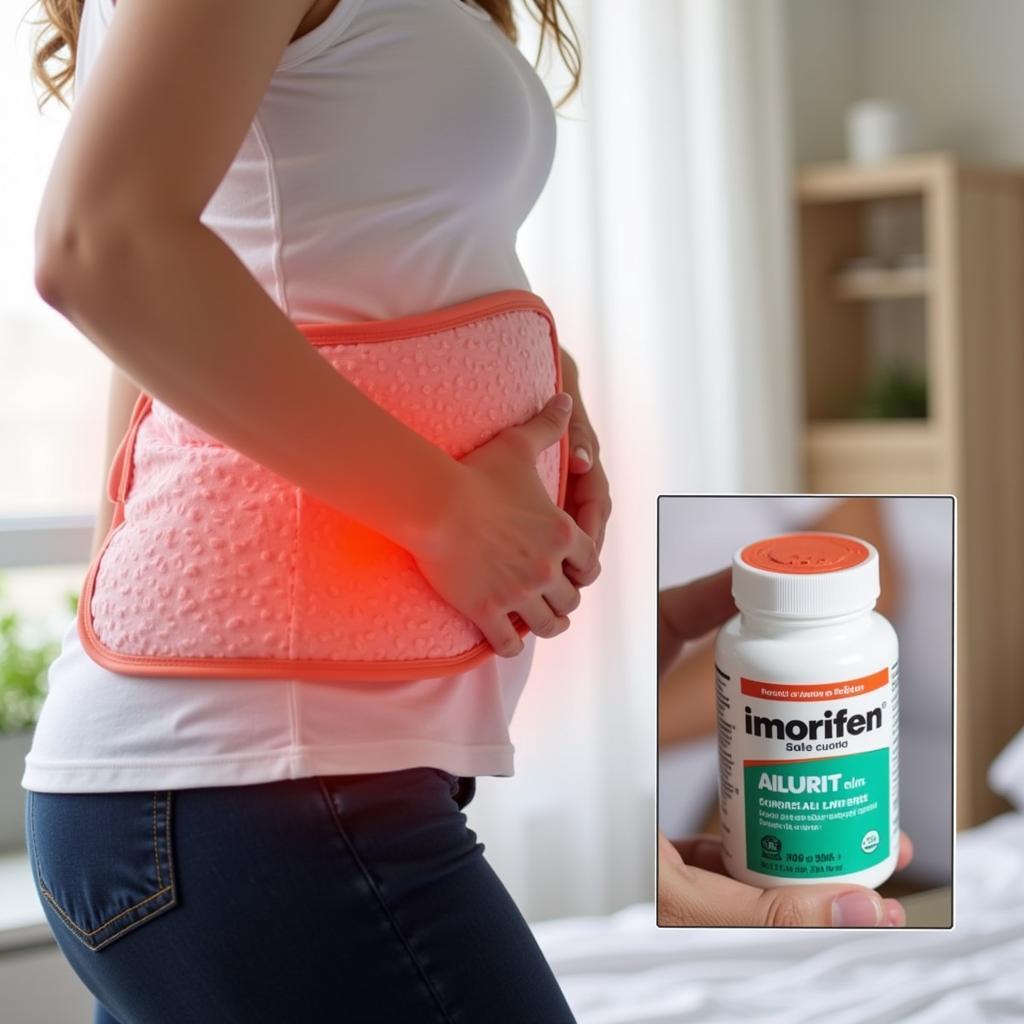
x=956, y=63
x=823, y=38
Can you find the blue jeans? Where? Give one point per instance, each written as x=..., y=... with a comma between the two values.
x=348, y=898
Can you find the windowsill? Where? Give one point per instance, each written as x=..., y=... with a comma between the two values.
x=23, y=924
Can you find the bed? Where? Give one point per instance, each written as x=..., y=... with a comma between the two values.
x=621, y=969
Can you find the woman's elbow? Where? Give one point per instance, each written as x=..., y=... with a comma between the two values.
x=47, y=282
x=70, y=258
x=58, y=248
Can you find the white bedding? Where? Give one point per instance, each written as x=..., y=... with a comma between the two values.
x=623, y=970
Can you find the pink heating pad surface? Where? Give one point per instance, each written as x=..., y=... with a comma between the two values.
x=215, y=565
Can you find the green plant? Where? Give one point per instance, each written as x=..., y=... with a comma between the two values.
x=23, y=668
x=897, y=392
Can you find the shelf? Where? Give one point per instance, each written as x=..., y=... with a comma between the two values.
x=865, y=286
x=957, y=317
x=876, y=456
x=917, y=434
x=908, y=175
x=844, y=182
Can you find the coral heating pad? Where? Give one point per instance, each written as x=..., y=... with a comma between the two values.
x=216, y=566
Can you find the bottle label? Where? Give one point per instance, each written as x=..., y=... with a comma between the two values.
x=809, y=772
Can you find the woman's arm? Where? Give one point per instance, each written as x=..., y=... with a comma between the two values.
x=121, y=398
x=122, y=253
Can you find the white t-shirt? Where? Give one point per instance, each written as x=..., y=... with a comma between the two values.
x=398, y=148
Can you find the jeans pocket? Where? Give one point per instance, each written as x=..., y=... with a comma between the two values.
x=102, y=862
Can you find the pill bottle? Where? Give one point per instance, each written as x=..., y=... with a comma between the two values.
x=806, y=686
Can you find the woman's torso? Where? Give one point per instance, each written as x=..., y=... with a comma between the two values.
x=396, y=151
x=401, y=144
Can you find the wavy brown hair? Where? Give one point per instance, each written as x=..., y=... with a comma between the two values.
x=57, y=40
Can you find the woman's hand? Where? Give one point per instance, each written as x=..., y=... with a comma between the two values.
x=501, y=546
x=588, y=498
x=695, y=890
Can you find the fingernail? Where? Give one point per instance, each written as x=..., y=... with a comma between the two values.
x=856, y=910
x=563, y=401
x=583, y=454
x=895, y=915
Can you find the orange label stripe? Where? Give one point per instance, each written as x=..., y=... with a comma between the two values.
x=814, y=691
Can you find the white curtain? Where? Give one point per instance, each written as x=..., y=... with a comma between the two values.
x=663, y=245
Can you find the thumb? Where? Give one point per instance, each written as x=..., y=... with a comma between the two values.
x=689, y=895
x=548, y=425
x=821, y=906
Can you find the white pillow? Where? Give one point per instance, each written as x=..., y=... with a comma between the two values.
x=1006, y=773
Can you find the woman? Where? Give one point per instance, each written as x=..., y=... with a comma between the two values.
x=270, y=849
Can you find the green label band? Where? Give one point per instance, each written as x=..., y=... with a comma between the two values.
x=817, y=818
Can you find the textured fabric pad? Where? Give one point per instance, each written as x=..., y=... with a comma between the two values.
x=219, y=557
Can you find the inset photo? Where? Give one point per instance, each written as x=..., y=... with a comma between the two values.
x=806, y=710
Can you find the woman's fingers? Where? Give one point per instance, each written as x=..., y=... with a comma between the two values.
x=562, y=596
x=906, y=853
x=694, y=889
x=590, y=518
x=547, y=614
x=693, y=896
x=544, y=614
x=547, y=426
x=582, y=556
x=582, y=446
x=537, y=614
x=895, y=915
x=501, y=634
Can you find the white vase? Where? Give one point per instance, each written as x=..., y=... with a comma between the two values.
x=879, y=130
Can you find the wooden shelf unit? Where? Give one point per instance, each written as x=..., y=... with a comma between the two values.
x=882, y=284
x=971, y=443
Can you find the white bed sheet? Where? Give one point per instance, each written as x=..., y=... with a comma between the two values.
x=621, y=969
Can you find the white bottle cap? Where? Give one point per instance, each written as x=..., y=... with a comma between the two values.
x=806, y=575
